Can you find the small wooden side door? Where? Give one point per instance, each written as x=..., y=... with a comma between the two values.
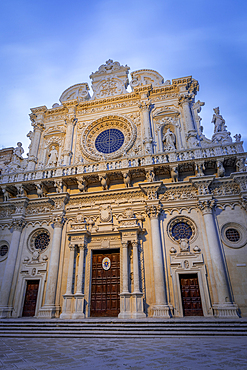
x=105, y=286
x=30, y=298
x=190, y=292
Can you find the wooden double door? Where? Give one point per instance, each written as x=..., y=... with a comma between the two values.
x=30, y=298
x=105, y=287
x=190, y=292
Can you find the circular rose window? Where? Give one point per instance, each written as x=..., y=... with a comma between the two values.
x=181, y=231
x=39, y=240
x=109, y=141
x=232, y=235
x=3, y=250
x=42, y=241
x=181, y=227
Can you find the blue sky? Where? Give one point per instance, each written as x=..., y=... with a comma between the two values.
x=47, y=46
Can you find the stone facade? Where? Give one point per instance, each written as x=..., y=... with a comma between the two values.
x=129, y=172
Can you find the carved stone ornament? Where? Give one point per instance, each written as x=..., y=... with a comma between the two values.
x=206, y=206
x=105, y=213
x=110, y=79
x=120, y=124
x=153, y=211
x=146, y=77
x=78, y=92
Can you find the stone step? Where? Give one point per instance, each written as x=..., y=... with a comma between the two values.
x=116, y=328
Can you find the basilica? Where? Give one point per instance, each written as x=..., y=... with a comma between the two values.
x=122, y=207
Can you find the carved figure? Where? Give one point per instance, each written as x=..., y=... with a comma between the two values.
x=59, y=186
x=20, y=191
x=39, y=190
x=126, y=179
x=53, y=156
x=240, y=165
x=220, y=169
x=150, y=176
x=200, y=167
x=18, y=151
x=174, y=173
x=218, y=120
x=169, y=140
x=104, y=181
x=82, y=184
x=5, y=194
x=237, y=137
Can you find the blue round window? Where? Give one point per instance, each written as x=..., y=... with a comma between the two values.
x=181, y=231
x=109, y=141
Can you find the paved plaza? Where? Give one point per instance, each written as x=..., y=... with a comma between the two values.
x=182, y=353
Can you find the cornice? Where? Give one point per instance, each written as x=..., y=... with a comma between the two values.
x=41, y=109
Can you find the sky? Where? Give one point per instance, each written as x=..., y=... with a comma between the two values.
x=48, y=46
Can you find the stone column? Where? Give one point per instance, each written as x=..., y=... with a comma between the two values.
x=224, y=306
x=147, y=136
x=37, y=118
x=184, y=101
x=68, y=296
x=160, y=307
x=79, y=296
x=70, y=121
x=125, y=303
x=137, y=296
x=49, y=309
x=6, y=307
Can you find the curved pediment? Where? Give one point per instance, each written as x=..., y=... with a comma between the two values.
x=78, y=92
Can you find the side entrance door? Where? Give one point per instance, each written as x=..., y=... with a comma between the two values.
x=191, y=298
x=105, y=288
x=30, y=298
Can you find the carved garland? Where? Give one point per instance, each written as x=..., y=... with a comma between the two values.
x=91, y=132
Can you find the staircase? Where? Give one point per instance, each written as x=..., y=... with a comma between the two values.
x=115, y=328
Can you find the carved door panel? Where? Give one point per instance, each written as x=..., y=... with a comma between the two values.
x=191, y=298
x=105, y=286
x=30, y=298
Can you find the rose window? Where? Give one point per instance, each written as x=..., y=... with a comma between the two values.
x=109, y=141
x=181, y=230
x=41, y=241
x=232, y=235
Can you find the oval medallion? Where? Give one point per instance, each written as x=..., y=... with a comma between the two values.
x=106, y=263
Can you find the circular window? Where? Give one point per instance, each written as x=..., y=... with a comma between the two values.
x=181, y=228
x=39, y=240
x=42, y=241
x=108, y=137
x=4, y=248
x=234, y=235
x=181, y=231
x=109, y=141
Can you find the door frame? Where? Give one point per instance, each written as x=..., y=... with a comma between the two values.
x=198, y=269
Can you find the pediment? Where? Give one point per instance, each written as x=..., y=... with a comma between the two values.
x=78, y=92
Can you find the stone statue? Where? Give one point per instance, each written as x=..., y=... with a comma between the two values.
x=237, y=137
x=53, y=156
x=150, y=176
x=220, y=168
x=174, y=173
x=218, y=120
x=18, y=151
x=169, y=140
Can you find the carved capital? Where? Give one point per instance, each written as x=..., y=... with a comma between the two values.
x=241, y=180
x=151, y=189
x=72, y=247
x=20, y=205
x=202, y=184
x=185, y=99
x=206, y=206
x=18, y=224
x=145, y=105
x=58, y=221
x=153, y=210
x=124, y=244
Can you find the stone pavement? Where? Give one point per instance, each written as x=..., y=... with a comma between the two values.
x=182, y=353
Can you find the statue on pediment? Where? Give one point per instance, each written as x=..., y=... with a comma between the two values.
x=218, y=120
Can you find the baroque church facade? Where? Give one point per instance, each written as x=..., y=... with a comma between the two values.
x=123, y=208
